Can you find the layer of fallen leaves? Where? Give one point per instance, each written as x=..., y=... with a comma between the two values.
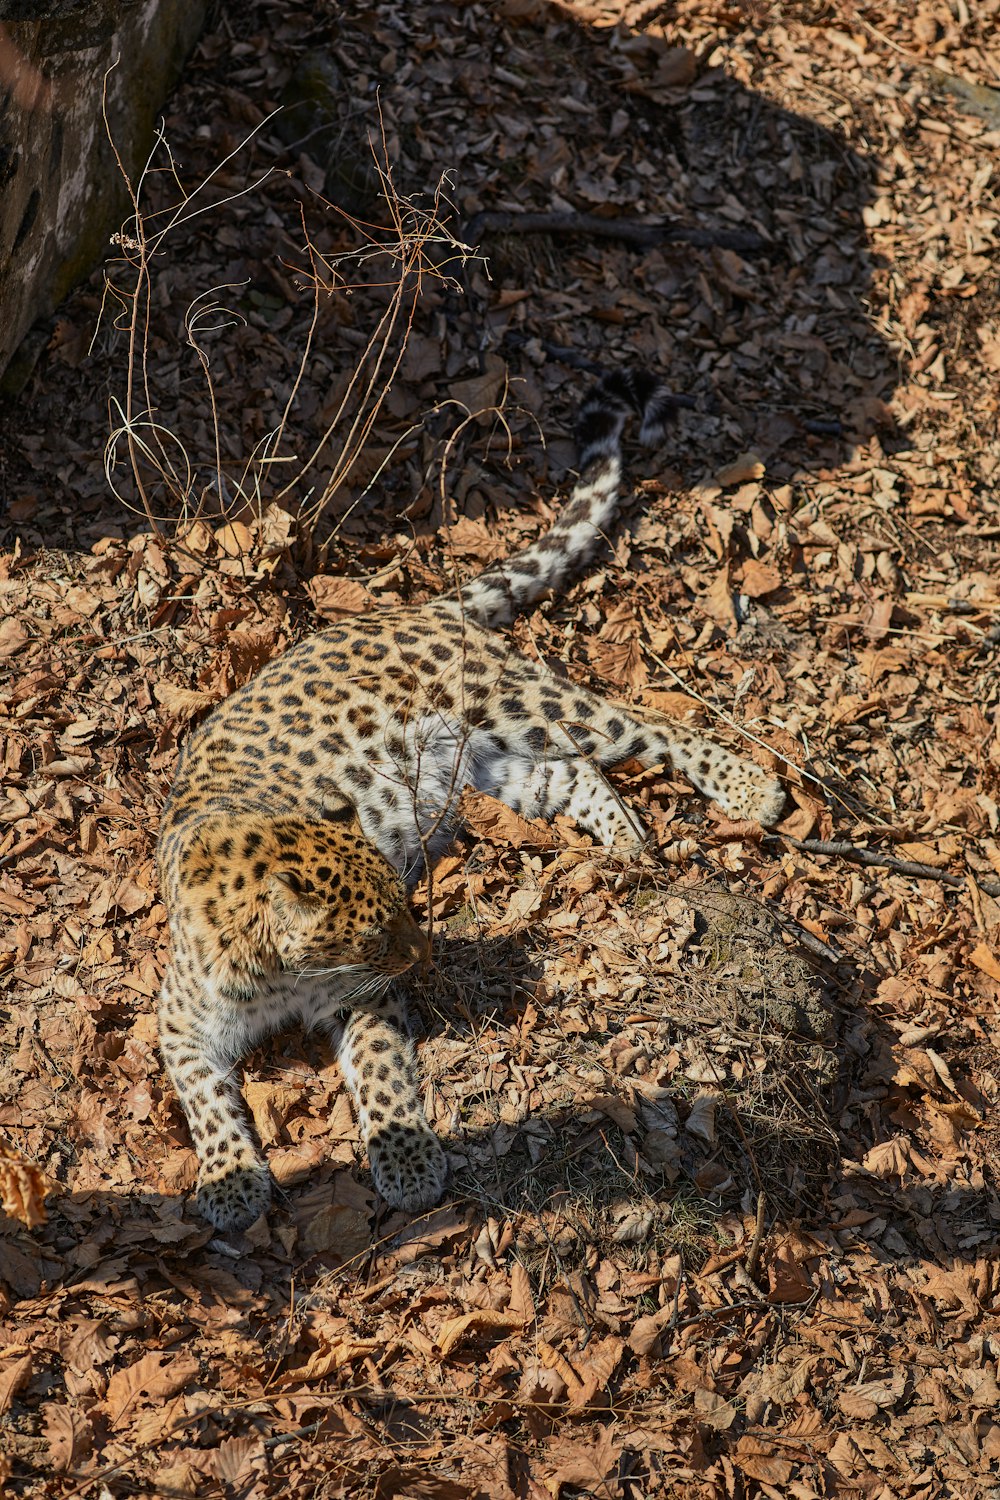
x=680, y=1254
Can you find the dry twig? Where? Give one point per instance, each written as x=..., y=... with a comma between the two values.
x=841, y=849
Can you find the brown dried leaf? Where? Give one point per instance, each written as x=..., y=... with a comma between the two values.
x=541, y=1385
x=491, y=819
x=482, y=1320
x=234, y=539
x=23, y=1188
x=889, y=1158
x=270, y=1104
x=779, y=1383
x=296, y=1163
x=986, y=960
x=759, y=578
x=864, y=1401
x=747, y=466
x=758, y=1460
x=88, y=1344
x=590, y=1467
x=645, y=1336
x=521, y=1304
x=333, y=1356
x=151, y=1378
x=338, y=1230
x=594, y=1371
x=468, y=538
x=13, y=637
x=232, y=1459
x=14, y=1373
x=717, y=601
x=183, y=703
x=70, y=1436
x=335, y=597
x=789, y=1281
x=671, y=705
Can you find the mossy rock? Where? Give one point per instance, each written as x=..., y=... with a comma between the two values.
x=768, y=983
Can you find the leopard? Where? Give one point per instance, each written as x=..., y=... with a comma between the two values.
x=309, y=803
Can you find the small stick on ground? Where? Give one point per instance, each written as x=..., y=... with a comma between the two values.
x=840, y=849
x=753, y=1255
x=643, y=233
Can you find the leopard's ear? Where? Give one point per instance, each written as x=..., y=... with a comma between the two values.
x=340, y=811
x=293, y=905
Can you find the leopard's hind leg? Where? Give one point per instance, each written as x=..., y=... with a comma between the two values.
x=575, y=786
x=570, y=723
x=740, y=787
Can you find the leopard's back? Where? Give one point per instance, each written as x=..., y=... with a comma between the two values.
x=341, y=719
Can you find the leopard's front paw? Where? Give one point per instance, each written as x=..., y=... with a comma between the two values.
x=760, y=798
x=409, y=1165
x=234, y=1199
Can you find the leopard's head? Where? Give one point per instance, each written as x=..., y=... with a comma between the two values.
x=290, y=893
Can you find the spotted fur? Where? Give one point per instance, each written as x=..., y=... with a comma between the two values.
x=310, y=800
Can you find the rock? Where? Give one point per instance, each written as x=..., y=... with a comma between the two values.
x=61, y=191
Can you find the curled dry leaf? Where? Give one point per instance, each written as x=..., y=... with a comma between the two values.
x=13, y=636
x=672, y=705
x=491, y=819
x=234, y=539
x=23, y=1187
x=270, y=1104
x=331, y=1357
x=483, y=1320
x=986, y=960
x=183, y=703
x=14, y=1375
x=747, y=466
x=541, y=1385
x=645, y=1336
x=334, y=597
x=296, y=1163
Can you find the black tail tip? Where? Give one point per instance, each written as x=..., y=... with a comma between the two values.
x=616, y=396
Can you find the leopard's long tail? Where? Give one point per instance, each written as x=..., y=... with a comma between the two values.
x=506, y=588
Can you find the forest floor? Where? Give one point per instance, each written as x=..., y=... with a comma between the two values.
x=696, y=1243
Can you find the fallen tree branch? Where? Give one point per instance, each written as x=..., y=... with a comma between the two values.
x=642, y=233
x=840, y=849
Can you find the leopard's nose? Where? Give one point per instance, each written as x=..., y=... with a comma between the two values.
x=410, y=940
